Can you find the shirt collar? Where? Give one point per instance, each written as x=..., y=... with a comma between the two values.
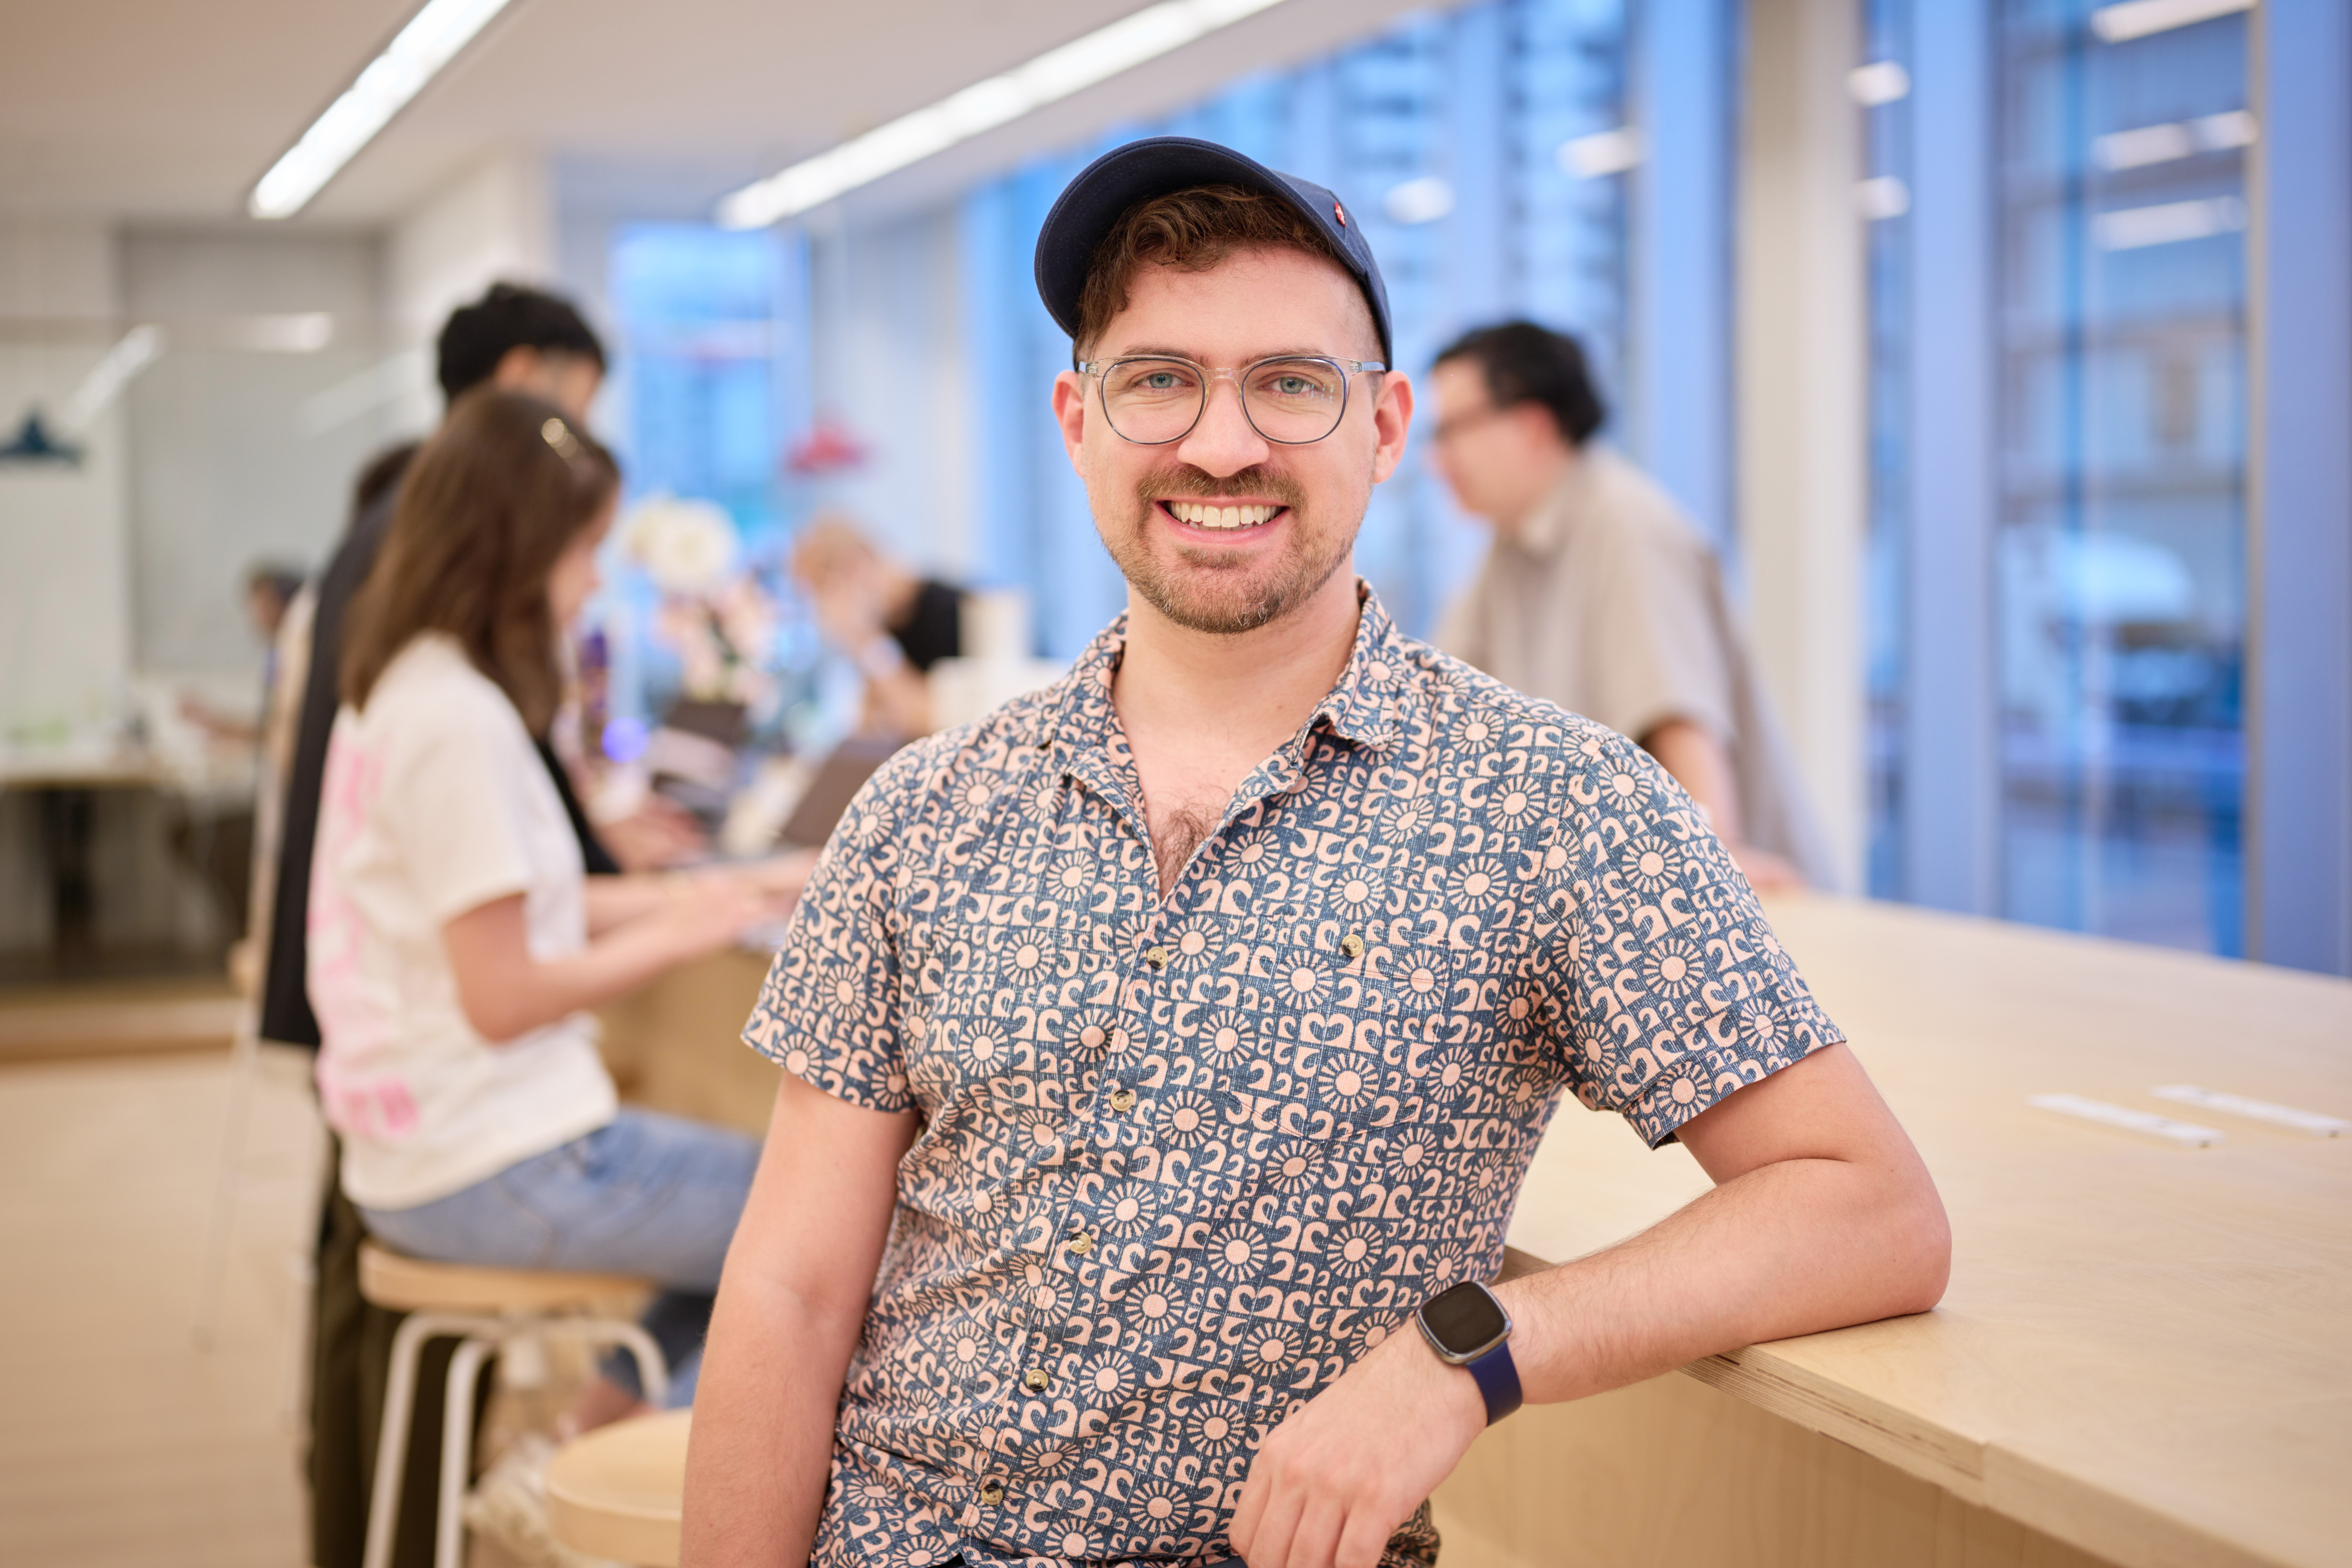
x=1360, y=707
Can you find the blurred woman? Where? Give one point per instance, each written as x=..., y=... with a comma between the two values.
x=456, y=941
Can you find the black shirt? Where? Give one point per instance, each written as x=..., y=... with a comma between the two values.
x=933, y=629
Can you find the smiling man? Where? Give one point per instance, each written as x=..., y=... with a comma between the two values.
x=1164, y=1052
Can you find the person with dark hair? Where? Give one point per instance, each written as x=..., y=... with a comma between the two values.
x=456, y=939
x=1164, y=1051
x=514, y=338
x=1597, y=592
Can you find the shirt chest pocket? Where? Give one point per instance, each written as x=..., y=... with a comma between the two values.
x=1314, y=1044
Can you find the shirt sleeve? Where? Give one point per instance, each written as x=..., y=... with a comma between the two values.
x=829, y=1010
x=1673, y=992
x=454, y=803
x=1656, y=652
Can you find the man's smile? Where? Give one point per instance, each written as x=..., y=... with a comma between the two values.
x=1225, y=517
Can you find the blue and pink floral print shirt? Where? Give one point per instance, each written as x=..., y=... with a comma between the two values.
x=1183, y=1161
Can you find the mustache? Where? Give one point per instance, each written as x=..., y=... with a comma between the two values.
x=1185, y=482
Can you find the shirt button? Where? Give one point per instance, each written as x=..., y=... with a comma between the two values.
x=1122, y=1100
x=1034, y=1380
x=1082, y=1244
x=1157, y=958
x=992, y=1493
x=1352, y=945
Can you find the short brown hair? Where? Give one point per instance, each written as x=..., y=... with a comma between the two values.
x=1192, y=231
x=491, y=501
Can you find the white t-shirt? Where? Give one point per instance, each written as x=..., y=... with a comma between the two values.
x=436, y=803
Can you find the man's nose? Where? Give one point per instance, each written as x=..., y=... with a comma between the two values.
x=1223, y=441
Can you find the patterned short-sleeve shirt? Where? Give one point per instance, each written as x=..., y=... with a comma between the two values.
x=1183, y=1161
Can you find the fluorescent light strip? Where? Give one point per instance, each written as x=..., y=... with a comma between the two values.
x=2138, y=18
x=983, y=106
x=431, y=40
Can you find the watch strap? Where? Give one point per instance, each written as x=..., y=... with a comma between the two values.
x=1499, y=1381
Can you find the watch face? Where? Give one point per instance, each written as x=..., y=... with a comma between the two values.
x=1464, y=1318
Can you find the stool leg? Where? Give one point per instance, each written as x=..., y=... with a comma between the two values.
x=391, y=1437
x=457, y=1450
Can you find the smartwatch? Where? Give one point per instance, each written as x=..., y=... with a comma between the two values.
x=1467, y=1326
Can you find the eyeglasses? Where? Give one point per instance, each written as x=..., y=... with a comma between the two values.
x=1293, y=399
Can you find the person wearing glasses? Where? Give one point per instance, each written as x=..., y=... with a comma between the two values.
x=1164, y=1052
x=1599, y=594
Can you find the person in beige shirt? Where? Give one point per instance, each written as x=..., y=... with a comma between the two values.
x=1600, y=595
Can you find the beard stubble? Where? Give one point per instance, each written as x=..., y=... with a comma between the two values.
x=1211, y=591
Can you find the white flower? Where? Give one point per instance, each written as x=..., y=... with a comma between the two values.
x=685, y=546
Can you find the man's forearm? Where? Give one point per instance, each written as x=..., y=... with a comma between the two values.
x=1790, y=1248
x=762, y=1449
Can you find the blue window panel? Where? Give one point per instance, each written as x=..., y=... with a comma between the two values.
x=1887, y=37
x=2119, y=596
x=2302, y=885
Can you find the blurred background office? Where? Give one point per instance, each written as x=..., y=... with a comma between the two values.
x=1997, y=346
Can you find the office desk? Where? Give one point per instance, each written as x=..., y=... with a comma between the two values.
x=2146, y=1352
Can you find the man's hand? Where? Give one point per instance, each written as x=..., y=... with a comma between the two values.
x=1333, y=1481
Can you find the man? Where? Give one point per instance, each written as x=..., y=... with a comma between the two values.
x=522, y=339
x=1597, y=595
x=1170, y=1037
x=895, y=624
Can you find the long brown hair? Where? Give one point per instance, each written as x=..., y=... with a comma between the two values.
x=490, y=502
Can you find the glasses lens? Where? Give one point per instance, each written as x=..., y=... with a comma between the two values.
x=1295, y=399
x=1152, y=400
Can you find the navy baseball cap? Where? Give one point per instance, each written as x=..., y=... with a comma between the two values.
x=1106, y=188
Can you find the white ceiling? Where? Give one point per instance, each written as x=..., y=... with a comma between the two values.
x=167, y=111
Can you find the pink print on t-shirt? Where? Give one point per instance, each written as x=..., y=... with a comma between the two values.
x=352, y=1026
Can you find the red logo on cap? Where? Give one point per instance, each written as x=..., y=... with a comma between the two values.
x=1340, y=213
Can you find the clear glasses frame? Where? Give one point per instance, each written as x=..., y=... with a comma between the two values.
x=1347, y=370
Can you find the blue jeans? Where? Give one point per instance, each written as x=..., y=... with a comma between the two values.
x=647, y=1195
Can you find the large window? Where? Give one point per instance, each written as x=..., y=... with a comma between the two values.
x=1488, y=154
x=2119, y=554
x=2070, y=750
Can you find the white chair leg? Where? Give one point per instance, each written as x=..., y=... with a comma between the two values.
x=457, y=1450
x=392, y=1435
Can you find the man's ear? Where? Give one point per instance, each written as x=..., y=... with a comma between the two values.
x=1392, y=423
x=1070, y=414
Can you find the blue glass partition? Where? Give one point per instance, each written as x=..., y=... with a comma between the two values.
x=2120, y=547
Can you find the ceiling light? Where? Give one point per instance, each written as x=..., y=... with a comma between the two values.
x=1425, y=200
x=137, y=349
x=984, y=105
x=1881, y=81
x=1604, y=153
x=431, y=40
x=2134, y=229
x=1882, y=199
x=2138, y=18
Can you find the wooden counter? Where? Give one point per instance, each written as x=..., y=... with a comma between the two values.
x=2146, y=1352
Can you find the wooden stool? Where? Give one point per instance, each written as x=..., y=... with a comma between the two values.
x=488, y=1309
x=617, y=1492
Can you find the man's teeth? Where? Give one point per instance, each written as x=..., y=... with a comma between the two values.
x=1201, y=515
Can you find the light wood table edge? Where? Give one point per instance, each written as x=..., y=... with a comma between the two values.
x=632, y=1517
x=1988, y=1475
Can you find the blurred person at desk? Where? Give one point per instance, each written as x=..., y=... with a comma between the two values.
x=895, y=624
x=513, y=338
x=1599, y=594
x=457, y=937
